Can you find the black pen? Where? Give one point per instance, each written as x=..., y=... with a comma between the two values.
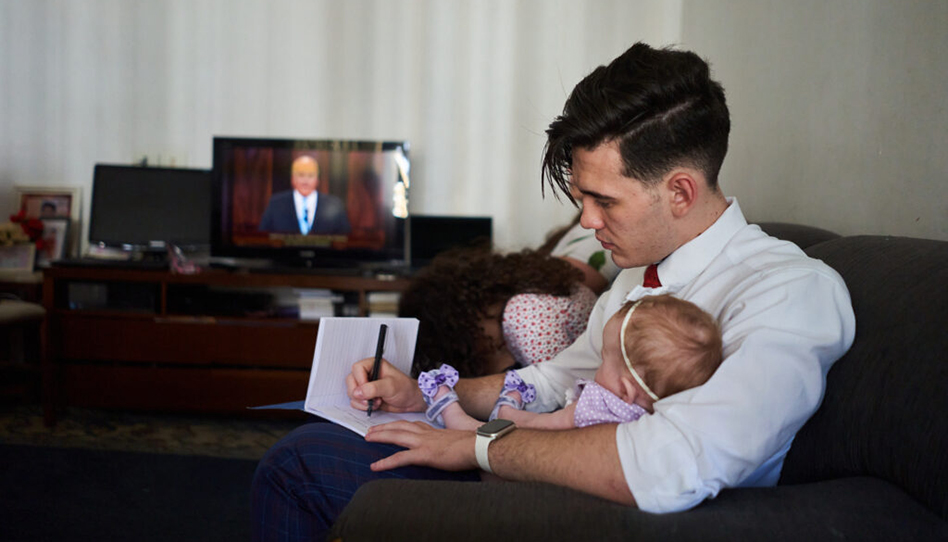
x=378, y=361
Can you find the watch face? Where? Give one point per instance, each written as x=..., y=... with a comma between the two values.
x=495, y=428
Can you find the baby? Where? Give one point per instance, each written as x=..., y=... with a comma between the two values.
x=651, y=348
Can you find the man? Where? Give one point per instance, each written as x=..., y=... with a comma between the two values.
x=639, y=144
x=303, y=210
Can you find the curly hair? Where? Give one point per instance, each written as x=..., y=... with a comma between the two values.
x=457, y=291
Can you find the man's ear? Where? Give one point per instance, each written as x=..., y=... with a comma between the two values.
x=682, y=187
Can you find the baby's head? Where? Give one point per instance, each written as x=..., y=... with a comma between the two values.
x=671, y=344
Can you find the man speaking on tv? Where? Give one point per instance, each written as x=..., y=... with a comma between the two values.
x=303, y=210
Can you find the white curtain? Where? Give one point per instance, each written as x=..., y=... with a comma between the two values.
x=471, y=84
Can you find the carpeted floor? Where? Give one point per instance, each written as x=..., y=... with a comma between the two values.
x=62, y=494
x=212, y=436
x=104, y=475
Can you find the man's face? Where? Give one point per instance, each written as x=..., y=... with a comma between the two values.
x=630, y=219
x=305, y=176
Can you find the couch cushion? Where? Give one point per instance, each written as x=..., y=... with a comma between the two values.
x=803, y=236
x=850, y=509
x=884, y=413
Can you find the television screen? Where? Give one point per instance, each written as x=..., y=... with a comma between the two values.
x=137, y=207
x=316, y=203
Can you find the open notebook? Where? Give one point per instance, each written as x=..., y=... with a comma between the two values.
x=340, y=342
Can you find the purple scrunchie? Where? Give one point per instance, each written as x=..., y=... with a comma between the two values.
x=513, y=382
x=430, y=381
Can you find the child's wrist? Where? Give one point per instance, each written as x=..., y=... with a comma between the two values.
x=437, y=390
x=442, y=391
x=507, y=412
x=513, y=395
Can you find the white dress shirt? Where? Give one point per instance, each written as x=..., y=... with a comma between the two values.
x=785, y=319
x=307, y=203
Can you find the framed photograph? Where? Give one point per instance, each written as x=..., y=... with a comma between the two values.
x=17, y=258
x=55, y=239
x=54, y=202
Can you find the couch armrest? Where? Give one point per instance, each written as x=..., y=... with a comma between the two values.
x=846, y=509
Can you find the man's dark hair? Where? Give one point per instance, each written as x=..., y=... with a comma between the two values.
x=661, y=107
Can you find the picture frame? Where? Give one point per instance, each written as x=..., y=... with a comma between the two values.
x=54, y=202
x=55, y=241
x=17, y=258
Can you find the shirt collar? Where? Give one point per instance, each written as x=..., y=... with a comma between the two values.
x=685, y=264
x=300, y=200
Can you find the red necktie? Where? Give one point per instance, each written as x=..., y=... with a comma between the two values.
x=651, y=277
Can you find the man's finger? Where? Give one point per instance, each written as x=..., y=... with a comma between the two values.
x=377, y=390
x=398, y=459
x=361, y=370
x=362, y=405
x=351, y=384
x=369, y=390
x=385, y=430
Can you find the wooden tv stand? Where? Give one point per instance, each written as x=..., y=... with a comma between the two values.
x=155, y=340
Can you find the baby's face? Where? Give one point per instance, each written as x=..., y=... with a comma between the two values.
x=613, y=366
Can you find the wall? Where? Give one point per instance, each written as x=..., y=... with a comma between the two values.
x=472, y=85
x=839, y=109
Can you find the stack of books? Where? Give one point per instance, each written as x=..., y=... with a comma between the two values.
x=383, y=304
x=316, y=304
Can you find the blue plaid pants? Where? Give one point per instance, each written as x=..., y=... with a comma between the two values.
x=305, y=480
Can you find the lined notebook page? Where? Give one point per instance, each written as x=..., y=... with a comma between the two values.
x=340, y=342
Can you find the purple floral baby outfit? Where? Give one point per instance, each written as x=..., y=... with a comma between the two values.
x=596, y=405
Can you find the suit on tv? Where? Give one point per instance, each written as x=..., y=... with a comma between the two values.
x=280, y=215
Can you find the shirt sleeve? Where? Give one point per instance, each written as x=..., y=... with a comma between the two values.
x=782, y=333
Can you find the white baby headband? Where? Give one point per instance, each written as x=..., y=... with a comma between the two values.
x=625, y=355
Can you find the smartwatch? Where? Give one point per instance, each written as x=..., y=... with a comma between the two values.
x=487, y=433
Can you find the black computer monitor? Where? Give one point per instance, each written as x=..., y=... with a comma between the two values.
x=146, y=208
x=433, y=234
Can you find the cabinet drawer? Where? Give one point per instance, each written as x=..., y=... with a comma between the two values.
x=278, y=344
x=182, y=388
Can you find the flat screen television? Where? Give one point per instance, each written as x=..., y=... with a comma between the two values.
x=145, y=208
x=310, y=203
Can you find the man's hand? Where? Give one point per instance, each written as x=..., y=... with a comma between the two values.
x=394, y=391
x=443, y=449
x=584, y=459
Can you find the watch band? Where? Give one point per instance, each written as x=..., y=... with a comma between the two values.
x=487, y=433
x=480, y=451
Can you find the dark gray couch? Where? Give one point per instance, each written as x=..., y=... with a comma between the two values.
x=872, y=463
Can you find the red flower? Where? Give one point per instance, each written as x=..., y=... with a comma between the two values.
x=32, y=227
